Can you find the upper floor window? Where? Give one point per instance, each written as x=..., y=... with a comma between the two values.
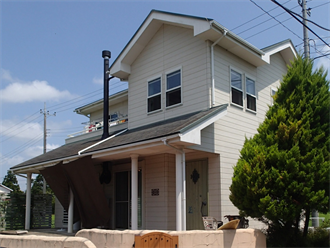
x=272, y=95
x=154, y=95
x=236, y=87
x=251, y=100
x=173, y=88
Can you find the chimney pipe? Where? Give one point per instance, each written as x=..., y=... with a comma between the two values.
x=106, y=55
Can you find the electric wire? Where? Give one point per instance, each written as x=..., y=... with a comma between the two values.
x=258, y=24
x=274, y=19
x=290, y=11
x=21, y=131
x=20, y=149
x=241, y=25
x=86, y=97
x=17, y=124
x=274, y=1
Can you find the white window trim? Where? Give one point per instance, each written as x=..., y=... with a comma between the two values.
x=166, y=90
x=160, y=93
x=246, y=93
x=242, y=90
x=271, y=95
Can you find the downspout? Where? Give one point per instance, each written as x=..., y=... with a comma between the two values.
x=183, y=197
x=212, y=66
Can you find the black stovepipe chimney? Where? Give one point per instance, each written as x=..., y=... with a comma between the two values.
x=106, y=55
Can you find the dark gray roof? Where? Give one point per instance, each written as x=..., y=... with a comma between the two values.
x=148, y=132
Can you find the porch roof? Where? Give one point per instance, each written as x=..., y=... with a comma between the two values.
x=169, y=128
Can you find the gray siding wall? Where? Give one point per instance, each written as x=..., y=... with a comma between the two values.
x=160, y=209
x=120, y=108
x=230, y=131
x=170, y=49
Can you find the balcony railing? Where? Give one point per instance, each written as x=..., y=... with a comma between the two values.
x=92, y=126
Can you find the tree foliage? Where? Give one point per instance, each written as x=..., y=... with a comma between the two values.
x=38, y=184
x=11, y=182
x=283, y=171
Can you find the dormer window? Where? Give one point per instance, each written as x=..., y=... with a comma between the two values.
x=250, y=95
x=154, y=95
x=173, y=88
x=236, y=88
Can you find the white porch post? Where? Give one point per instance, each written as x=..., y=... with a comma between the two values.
x=179, y=191
x=28, y=201
x=70, y=212
x=134, y=191
x=184, y=212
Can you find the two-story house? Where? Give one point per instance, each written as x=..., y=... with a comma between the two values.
x=195, y=91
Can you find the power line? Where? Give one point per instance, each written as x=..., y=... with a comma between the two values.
x=309, y=20
x=6, y=133
x=274, y=19
x=274, y=1
x=256, y=17
x=21, y=131
x=21, y=148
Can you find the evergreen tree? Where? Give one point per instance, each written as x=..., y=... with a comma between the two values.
x=38, y=184
x=11, y=182
x=283, y=171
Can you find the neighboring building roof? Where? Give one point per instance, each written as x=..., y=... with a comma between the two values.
x=205, y=28
x=5, y=189
x=178, y=126
x=98, y=104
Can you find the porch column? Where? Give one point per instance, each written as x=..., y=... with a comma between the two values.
x=28, y=201
x=134, y=191
x=184, y=197
x=70, y=212
x=179, y=191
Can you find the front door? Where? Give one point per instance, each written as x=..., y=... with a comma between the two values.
x=123, y=196
x=123, y=199
x=196, y=193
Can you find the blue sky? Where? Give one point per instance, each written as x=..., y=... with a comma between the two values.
x=51, y=52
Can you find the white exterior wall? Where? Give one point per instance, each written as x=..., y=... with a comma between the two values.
x=120, y=108
x=230, y=131
x=170, y=49
x=160, y=174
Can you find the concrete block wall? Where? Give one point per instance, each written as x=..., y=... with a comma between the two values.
x=36, y=241
x=239, y=238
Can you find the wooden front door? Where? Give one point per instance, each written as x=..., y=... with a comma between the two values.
x=196, y=193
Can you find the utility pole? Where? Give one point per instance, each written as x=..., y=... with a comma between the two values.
x=45, y=113
x=305, y=12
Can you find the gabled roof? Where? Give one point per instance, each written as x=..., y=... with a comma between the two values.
x=204, y=28
x=184, y=128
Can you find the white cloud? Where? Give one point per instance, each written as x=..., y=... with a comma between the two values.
x=98, y=80
x=18, y=91
x=5, y=75
x=25, y=130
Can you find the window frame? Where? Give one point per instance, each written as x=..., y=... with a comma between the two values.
x=167, y=91
x=154, y=95
x=247, y=94
x=272, y=89
x=235, y=88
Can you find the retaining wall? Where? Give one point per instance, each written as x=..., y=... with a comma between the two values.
x=36, y=241
x=239, y=238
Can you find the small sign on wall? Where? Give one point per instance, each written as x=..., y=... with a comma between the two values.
x=154, y=192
